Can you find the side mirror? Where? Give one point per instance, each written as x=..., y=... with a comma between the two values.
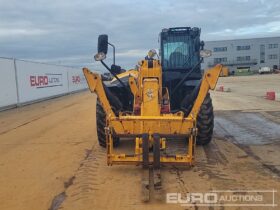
x=205, y=53
x=102, y=46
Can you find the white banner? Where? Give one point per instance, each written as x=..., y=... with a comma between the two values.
x=8, y=91
x=38, y=81
x=76, y=80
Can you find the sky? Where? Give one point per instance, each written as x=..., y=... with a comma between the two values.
x=65, y=32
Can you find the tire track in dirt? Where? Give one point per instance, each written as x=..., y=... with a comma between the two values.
x=98, y=186
x=249, y=128
x=269, y=137
x=23, y=124
x=38, y=118
x=85, y=179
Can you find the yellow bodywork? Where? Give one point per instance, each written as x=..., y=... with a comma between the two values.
x=130, y=73
x=146, y=87
x=224, y=72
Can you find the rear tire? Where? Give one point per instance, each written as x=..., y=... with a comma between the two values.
x=205, y=122
x=101, y=124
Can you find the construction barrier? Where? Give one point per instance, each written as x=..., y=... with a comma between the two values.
x=277, y=96
x=24, y=82
x=8, y=90
x=76, y=80
x=37, y=81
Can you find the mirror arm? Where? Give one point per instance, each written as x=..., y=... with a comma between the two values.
x=114, y=60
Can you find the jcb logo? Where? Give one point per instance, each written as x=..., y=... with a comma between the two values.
x=150, y=93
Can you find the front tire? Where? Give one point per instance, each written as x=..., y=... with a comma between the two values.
x=101, y=124
x=205, y=122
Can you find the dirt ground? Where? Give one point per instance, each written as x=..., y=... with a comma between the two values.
x=50, y=158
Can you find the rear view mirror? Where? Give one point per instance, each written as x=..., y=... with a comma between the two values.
x=102, y=44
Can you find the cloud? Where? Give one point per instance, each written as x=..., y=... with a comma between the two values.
x=132, y=53
x=8, y=32
x=65, y=32
x=251, y=31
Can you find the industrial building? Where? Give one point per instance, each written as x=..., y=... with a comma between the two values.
x=248, y=54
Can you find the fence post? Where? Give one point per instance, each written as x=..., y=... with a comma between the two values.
x=17, y=87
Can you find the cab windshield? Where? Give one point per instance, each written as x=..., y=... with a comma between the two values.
x=176, y=52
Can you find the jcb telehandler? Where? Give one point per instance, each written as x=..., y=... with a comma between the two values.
x=166, y=97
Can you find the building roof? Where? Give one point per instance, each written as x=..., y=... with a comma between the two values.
x=226, y=40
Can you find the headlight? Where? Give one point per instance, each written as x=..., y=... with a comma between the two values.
x=152, y=53
x=205, y=53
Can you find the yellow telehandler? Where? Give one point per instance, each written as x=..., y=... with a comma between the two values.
x=166, y=97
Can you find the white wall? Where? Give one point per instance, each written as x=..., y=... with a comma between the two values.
x=37, y=81
x=76, y=80
x=8, y=91
x=25, y=82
